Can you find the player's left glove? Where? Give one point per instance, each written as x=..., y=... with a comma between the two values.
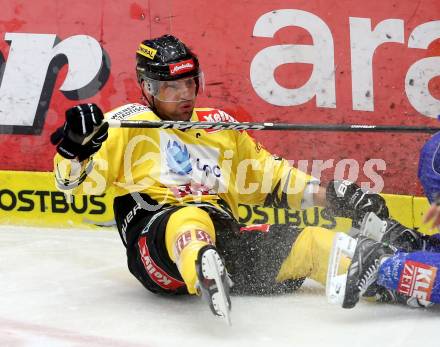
x=347, y=199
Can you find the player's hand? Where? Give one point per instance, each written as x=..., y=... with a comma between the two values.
x=82, y=133
x=433, y=214
x=347, y=199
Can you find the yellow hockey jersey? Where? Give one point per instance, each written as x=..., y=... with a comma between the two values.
x=182, y=166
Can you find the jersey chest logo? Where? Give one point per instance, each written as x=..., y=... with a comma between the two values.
x=187, y=163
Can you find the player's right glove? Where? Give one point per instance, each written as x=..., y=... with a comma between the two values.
x=76, y=138
x=347, y=199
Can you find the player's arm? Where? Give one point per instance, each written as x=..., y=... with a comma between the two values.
x=292, y=188
x=429, y=176
x=347, y=199
x=77, y=143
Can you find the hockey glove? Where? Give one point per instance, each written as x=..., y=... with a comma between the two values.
x=347, y=199
x=77, y=137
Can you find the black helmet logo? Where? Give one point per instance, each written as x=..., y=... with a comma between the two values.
x=146, y=51
x=182, y=67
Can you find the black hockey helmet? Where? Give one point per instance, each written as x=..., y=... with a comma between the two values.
x=165, y=58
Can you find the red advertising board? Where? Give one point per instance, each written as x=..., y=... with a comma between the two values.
x=373, y=62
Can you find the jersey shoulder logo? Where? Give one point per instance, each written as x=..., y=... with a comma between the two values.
x=215, y=116
x=127, y=111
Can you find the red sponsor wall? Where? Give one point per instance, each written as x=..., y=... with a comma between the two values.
x=373, y=62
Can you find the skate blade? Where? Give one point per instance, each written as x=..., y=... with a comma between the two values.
x=335, y=285
x=213, y=268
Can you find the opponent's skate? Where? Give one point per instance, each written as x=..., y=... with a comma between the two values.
x=362, y=272
x=391, y=232
x=214, y=282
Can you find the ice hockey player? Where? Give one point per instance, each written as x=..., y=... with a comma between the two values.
x=397, y=264
x=400, y=266
x=429, y=176
x=177, y=191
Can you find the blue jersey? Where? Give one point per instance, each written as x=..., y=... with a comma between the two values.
x=413, y=274
x=429, y=167
x=416, y=274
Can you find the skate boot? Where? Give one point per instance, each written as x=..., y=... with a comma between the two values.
x=362, y=272
x=391, y=232
x=214, y=282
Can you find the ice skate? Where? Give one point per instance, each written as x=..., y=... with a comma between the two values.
x=391, y=232
x=362, y=273
x=214, y=282
x=343, y=245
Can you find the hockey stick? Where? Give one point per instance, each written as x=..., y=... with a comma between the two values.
x=182, y=125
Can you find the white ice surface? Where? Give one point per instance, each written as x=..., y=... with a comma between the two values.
x=72, y=288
